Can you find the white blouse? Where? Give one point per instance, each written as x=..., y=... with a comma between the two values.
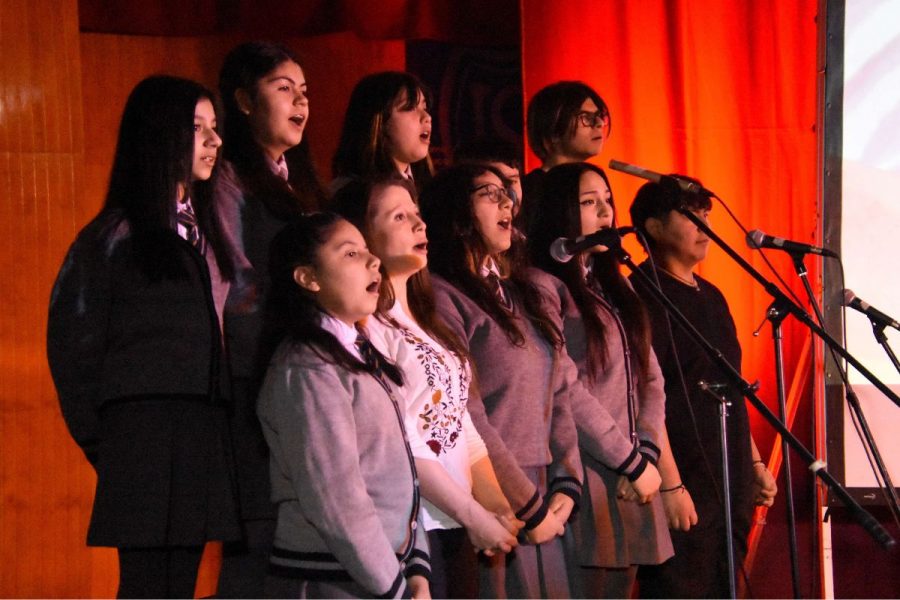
x=435, y=390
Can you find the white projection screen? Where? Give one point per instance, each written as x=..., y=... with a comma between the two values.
x=861, y=210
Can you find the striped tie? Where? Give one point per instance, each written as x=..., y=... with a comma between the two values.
x=493, y=281
x=188, y=220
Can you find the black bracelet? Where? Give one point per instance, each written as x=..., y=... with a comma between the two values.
x=680, y=486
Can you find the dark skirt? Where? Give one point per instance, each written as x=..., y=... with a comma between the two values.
x=613, y=533
x=164, y=475
x=251, y=454
x=528, y=571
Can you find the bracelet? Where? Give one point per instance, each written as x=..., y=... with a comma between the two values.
x=759, y=462
x=680, y=486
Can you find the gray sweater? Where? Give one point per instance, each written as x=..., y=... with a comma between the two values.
x=523, y=412
x=611, y=532
x=342, y=476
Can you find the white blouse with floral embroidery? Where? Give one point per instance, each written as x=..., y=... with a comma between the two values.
x=436, y=390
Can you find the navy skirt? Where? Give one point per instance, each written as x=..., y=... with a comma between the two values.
x=165, y=475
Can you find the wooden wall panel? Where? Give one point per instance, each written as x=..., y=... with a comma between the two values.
x=45, y=484
x=61, y=98
x=113, y=64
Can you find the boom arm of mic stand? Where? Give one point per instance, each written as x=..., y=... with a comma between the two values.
x=868, y=522
x=789, y=305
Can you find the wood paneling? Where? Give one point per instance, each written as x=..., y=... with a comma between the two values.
x=61, y=98
x=45, y=484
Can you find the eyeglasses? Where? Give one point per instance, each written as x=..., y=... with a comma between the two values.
x=495, y=193
x=592, y=119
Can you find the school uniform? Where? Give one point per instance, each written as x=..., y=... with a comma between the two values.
x=611, y=533
x=524, y=416
x=138, y=368
x=343, y=478
x=248, y=228
x=440, y=428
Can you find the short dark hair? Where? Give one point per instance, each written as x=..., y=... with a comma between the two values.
x=658, y=200
x=551, y=113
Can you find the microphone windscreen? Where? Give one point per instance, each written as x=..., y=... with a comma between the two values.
x=558, y=251
x=755, y=238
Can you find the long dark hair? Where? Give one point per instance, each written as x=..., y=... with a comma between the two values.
x=352, y=202
x=152, y=166
x=457, y=251
x=292, y=313
x=362, y=150
x=243, y=69
x=558, y=214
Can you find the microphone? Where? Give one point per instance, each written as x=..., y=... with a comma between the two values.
x=878, y=317
x=757, y=239
x=563, y=249
x=685, y=184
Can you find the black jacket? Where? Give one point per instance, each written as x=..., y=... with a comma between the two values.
x=114, y=335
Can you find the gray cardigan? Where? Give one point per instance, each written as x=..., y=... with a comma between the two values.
x=611, y=532
x=342, y=476
x=524, y=409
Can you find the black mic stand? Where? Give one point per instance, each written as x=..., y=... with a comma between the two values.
x=789, y=306
x=868, y=440
x=713, y=389
x=878, y=331
x=866, y=520
x=776, y=314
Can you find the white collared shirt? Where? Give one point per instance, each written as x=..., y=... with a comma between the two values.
x=279, y=167
x=490, y=267
x=345, y=334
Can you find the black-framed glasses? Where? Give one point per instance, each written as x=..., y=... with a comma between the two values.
x=592, y=119
x=495, y=193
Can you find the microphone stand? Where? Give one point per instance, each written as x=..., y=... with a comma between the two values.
x=866, y=520
x=853, y=404
x=791, y=308
x=878, y=331
x=711, y=389
x=804, y=318
x=776, y=315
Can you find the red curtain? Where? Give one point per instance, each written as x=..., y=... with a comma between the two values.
x=469, y=22
x=722, y=91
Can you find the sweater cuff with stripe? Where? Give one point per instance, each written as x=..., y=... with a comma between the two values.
x=399, y=589
x=418, y=563
x=651, y=451
x=569, y=486
x=633, y=466
x=533, y=512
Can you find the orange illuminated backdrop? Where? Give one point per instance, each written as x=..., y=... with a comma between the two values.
x=721, y=90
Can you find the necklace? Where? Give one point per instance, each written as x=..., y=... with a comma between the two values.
x=689, y=282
